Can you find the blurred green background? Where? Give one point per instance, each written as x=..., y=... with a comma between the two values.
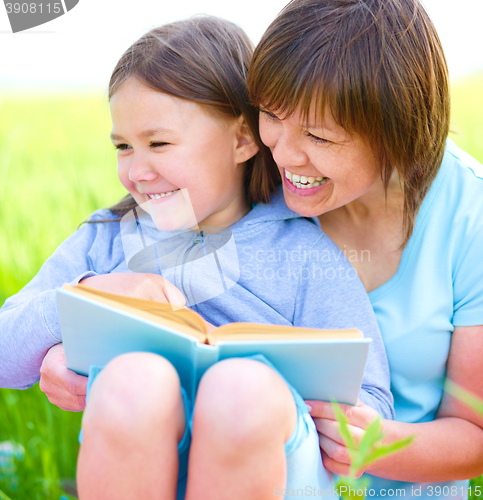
x=57, y=166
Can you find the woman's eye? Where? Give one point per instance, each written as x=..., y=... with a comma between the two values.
x=122, y=147
x=316, y=139
x=268, y=115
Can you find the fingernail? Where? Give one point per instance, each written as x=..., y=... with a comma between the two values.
x=309, y=408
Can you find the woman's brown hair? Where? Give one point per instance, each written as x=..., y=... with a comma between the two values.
x=204, y=60
x=378, y=65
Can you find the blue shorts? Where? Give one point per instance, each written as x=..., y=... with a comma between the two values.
x=304, y=463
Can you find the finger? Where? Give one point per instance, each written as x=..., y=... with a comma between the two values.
x=68, y=395
x=322, y=409
x=75, y=384
x=54, y=374
x=331, y=429
x=359, y=416
x=57, y=349
x=173, y=295
x=334, y=450
x=60, y=396
x=210, y=327
x=68, y=403
x=333, y=466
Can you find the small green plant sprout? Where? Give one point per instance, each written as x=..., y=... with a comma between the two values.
x=3, y=496
x=464, y=396
x=370, y=449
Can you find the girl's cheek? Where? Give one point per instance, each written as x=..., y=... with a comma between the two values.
x=123, y=174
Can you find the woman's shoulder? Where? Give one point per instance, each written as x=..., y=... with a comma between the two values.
x=464, y=172
x=449, y=222
x=456, y=191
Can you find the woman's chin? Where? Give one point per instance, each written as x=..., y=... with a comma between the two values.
x=304, y=206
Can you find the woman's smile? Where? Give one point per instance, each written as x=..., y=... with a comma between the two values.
x=323, y=167
x=303, y=185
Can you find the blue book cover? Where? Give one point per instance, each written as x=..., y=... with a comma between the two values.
x=97, y=326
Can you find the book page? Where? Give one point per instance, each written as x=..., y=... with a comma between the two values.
x=254, y=331
x=182, y=320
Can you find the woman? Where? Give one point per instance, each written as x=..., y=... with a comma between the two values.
x=356, y=92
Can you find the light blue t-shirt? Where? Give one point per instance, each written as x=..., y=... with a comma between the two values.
x=438, y=285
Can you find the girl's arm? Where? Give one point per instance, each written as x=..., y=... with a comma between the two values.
x=65, y=388
x=448, y=448
x=29, y=324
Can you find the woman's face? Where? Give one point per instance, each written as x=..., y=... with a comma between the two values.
x=322, y=166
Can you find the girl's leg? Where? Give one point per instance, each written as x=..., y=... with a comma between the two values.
x=244, y=414
x=133, y=422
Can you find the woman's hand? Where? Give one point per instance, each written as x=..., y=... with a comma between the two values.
x=335, y=454
x=64, y=388
x=138, y=285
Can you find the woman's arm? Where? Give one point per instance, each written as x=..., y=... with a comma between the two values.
x=331, y=295
x=448, y=448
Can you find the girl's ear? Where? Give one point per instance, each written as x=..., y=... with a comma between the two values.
x=246, y=146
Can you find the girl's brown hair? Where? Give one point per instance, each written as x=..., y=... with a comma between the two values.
x=378, y=65
x=204, y=60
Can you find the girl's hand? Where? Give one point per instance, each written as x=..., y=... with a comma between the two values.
x=138, y=285
x=335, y=454
x=64, y=388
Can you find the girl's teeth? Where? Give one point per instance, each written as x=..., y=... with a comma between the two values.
x=161, y=195
x=303, y=182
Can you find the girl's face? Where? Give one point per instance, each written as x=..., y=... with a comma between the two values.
x=180, y=163
x=322, y=166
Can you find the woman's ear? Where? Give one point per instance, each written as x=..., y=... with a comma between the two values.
x=246, y=146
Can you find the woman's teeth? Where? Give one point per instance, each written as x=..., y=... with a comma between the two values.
x=161, y=195
x=303, y=182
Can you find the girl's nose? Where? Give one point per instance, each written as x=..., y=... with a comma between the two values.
x=141, y=170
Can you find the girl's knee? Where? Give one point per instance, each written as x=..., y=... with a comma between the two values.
x=245, y=399
x=132, y=391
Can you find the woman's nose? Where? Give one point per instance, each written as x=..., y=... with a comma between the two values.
x=141, y=170
x=287, y=153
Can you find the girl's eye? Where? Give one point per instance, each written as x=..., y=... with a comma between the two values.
x=158, y=144
x=318, y=140
x=121, y=147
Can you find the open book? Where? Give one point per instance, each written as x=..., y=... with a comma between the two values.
x=98, y=326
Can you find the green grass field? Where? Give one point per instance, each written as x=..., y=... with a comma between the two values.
x=56, y=167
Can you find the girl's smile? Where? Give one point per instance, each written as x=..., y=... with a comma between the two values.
x=161, y=195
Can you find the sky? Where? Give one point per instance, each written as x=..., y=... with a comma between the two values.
x=79, y=49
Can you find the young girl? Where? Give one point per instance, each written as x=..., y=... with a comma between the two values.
x=190, y=156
